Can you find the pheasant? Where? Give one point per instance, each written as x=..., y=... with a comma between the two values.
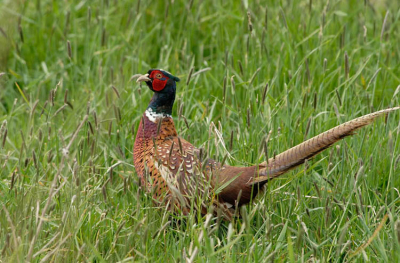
x=177, y=175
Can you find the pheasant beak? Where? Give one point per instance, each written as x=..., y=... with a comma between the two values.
x=144, y=77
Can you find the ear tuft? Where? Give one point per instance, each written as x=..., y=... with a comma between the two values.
x=169, y=75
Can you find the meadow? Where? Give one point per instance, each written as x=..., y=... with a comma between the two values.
x=69, y=112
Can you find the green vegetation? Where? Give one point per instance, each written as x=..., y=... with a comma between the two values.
x=324, y=63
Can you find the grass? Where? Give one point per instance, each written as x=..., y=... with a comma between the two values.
x=294, y=67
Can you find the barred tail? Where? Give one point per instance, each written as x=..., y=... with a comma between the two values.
x=297, y=155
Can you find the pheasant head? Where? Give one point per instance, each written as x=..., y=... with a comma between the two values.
x=163, y=84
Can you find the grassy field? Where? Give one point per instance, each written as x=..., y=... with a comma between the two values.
x=68, y=189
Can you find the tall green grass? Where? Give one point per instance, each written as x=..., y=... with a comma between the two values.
x=296, y=68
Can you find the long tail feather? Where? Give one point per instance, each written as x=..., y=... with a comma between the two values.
x=297, y=155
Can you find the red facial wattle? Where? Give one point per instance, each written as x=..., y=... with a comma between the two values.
x=159, y=85
x=159, y=80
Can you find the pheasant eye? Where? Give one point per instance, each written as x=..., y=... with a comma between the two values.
x=158, y=75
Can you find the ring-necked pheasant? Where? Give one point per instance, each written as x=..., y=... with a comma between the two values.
x=174, y=171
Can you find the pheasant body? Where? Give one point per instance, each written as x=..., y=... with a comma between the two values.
x=170, y=168
x=173, y=170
